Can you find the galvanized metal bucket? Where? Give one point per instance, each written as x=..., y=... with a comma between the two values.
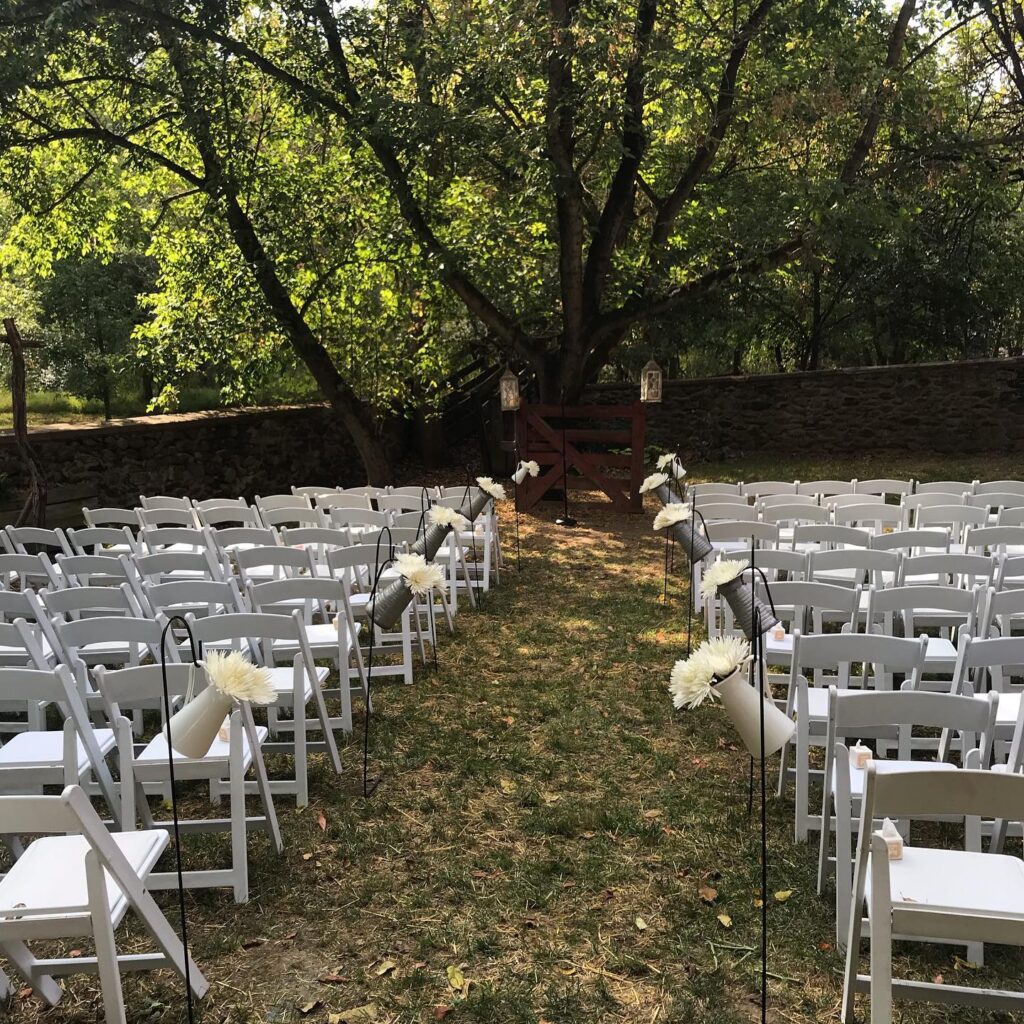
x=693, y=542
x=746, y=607
x=388, y=604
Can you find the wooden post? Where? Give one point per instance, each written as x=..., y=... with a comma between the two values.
x=34, y=510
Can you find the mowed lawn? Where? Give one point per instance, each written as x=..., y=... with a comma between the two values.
x=551, y=841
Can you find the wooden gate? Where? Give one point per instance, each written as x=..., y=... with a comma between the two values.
x=539, y=431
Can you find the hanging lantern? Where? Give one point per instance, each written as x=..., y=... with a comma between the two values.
x=509, y=388
x=650, y=382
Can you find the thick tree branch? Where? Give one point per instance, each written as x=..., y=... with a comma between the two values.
x=618, y=206
x=561, y=151
x=721, y=117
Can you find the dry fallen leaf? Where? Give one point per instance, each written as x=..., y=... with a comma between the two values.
x=253, y=943
x=641, y=924
x=707, y=894
x=507, y=786
x=321, y=820
x=307, y=1008
x=938, y=979
x=725, y=920
x=307, y=856
x=332, y=979
x=440, y=1012
x=654, y=812
x=357, y=1015
x=456, y=978
x=25, y=993
x=386, y=967
x=783, y=894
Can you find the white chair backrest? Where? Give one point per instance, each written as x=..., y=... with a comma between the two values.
x=829, y=535
x=334, y=500
x=702, y=498
x=714, y=487
x=71, y=602
x=954, y=516
x=808, y=606
x=823, y=489
x=885, y=486
x=51, y=542
x=97, y=540
x=995, y=500
x=425, y=494
x=208, y=503
x=772, y=561
x=912, y=541
x=841, y=651
x=993, y=655
x=92, y=570
x=876, y=518
x=163, y=566
x=165, y=501
x=868, y=565
x=755, y=533
x=292, y=516
x=853, y=498
x=275, y=501
x=158, y=517
x=1000, y=487
x=181, y=538
x=950, y=569
x=913, y=503
x=404, y=502
x=111, y=517
x=771, y=500
x=946, y=487
x=314, y=491
x=235, y=515
x=209, y=597
x=760, y=488
x=994, y=539
x=282, y=561
x=25, y=569
x=347, y=516
x=715, y=512
x=228, y=538
x=791, y=515
x=908, y=603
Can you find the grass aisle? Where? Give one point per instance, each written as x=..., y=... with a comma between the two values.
x=551, y=842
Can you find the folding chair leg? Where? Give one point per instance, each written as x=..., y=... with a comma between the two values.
x=826, y=837
x=881, y=939
x=262, y=783
x=326, y=728
x=106, y=947
x=239, y=850
x=21, y=956
x=6, y=988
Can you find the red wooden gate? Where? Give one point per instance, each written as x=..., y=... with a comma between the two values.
x=539, y=433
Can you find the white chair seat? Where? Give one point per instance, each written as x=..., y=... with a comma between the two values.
x=46, y=749
x=156, y=749
x=986, y=884
x=322, y=635
x=883, y=766
x=282, y=680
x=50, y=875
x=939, y=650
x=783, y=647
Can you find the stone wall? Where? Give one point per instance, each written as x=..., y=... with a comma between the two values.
x=211, y=454
x=965, y=407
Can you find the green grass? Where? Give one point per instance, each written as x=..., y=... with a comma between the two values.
x=541, y=800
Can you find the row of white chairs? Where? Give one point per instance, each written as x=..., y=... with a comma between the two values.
x=824, y=490
x=81, y=638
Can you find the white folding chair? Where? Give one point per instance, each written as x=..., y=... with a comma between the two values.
x=999, y=487
x=824, y=489
x=79, y=881
x=334, y=637
x=912, y=542
x=880, y=657
x=962, y=896
x=297, y=686
x=294, y=516
x=103, y=540
x=69, y=756
x=233, y=753
x=276, y=501
x=893, y=716
x=849, y=567
x=827, y=537
x=762, y=488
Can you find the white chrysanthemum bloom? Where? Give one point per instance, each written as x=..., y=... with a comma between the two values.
x=666, y=460
x=670, y=514
x=653, y=481
x=693, y=680
x=725, y=654
x=441, y=515
x=421, y=576
x=235, y=676
x=531, y=467
x=489, y=486
x=718, y=573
